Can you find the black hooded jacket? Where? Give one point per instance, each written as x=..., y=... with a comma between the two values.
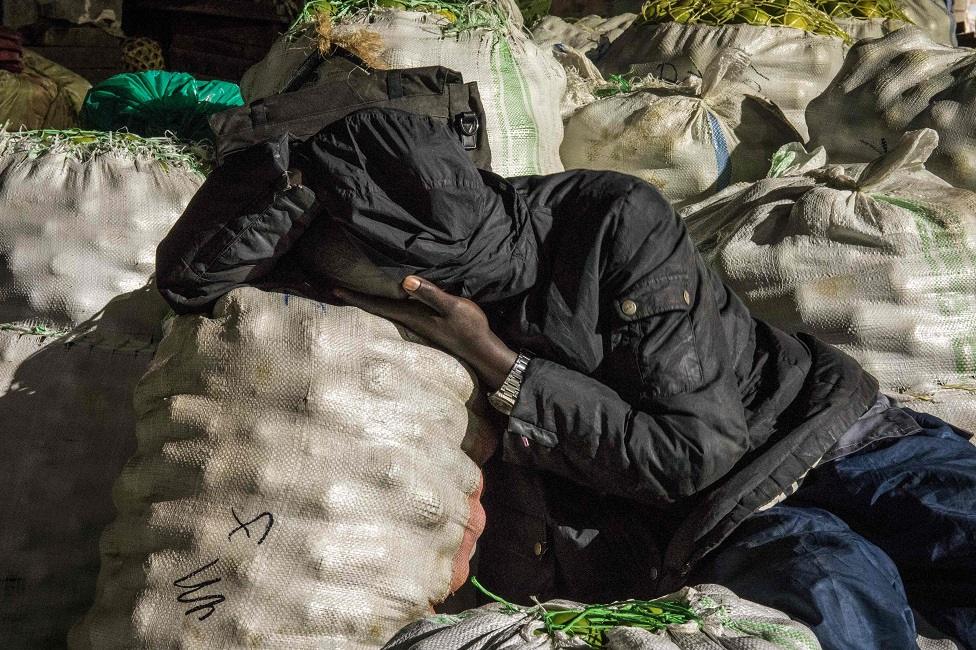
x=658, y=415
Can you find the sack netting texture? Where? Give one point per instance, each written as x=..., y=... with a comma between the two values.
x=300, y=481
x=877, y=259
x=520, y=83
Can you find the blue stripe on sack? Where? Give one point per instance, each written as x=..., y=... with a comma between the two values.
x=722, y=161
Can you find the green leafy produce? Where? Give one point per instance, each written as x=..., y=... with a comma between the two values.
x=798, y=14
x=589, y=623
x=461, y=16
x=85, y=145
x=862, y=9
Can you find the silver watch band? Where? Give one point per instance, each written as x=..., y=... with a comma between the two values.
x=505, y=397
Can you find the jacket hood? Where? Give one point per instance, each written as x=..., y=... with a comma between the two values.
x=402, y=187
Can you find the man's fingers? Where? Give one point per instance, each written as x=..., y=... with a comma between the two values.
x=429, y=294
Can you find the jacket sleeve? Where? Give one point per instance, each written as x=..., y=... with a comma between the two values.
x=683, y=424
x=245, y=216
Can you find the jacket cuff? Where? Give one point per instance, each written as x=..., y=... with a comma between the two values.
x=525, y=436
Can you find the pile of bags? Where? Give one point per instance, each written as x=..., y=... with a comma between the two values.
x=901, y=82
x=690, y=140
x=520, y=82
x=80, y=217
x=789, y=67
x=306, y=474
x=878, y=259
x=43, y=95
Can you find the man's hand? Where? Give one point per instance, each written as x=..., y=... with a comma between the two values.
x=456, y=324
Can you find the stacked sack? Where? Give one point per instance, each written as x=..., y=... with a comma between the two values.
x=901, y=82
x=519, y=82
x=80, y=217
x=788, y=66
x=590, y=35
x=301, y=481
x=43, y=95
x=689, y=141
x=864, y=20
x=877, y=259
x=705, y=616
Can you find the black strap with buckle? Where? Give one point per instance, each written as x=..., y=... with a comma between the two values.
x=467, y=125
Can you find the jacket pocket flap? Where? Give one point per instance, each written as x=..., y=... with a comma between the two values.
x=654, y=295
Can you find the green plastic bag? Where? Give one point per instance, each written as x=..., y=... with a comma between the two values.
x=154, y=103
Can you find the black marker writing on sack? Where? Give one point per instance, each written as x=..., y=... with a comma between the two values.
x=208, y=602
x=245, y=525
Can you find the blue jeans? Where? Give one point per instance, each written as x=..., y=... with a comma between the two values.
x=867, y=538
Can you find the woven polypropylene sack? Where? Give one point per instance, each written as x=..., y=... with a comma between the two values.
x=520, y=83
x=689, y=141
x=726, y=622
x=590, y=35
x=77, y=229
x=68, y=427
x=44, y=96
x=879, y=260
x=901, y=82
x=300, y=482
x=790, y=67
x=928, y=15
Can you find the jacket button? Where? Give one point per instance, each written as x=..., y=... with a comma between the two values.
x=687, y=297
x=628, y=307
x=537, y=549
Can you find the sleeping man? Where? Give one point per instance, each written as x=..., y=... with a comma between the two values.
x=656, y=434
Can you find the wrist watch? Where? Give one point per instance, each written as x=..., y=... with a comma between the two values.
x=505, y=397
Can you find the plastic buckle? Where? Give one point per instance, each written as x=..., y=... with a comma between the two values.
x=468, y=125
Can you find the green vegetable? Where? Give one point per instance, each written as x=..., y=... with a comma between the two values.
x=798, y=14
x=591, y=622
x=85, y=145
x=461, y=16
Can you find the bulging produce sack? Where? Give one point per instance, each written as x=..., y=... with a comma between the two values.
x=590, y=35
x=66, y=429
x=790, y=67
x=705, y=616
x=81, y=213
x=300, y=481
x=519, y=82
x=901, y=82
x=80, y=216
x=44, y=95
x=877, y=259
x=689, y=141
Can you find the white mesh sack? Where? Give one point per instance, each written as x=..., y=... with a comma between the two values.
x=520, y=83
x=901, y=82
x=590, y=34
x=300, y=482
x=689, y=141
x=724, y=622
x=789, y=66
x=80, y=217
x=79, y=222
x=877, y=259
x=66, y=430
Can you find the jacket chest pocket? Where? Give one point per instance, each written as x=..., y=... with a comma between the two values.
x=659, y=332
